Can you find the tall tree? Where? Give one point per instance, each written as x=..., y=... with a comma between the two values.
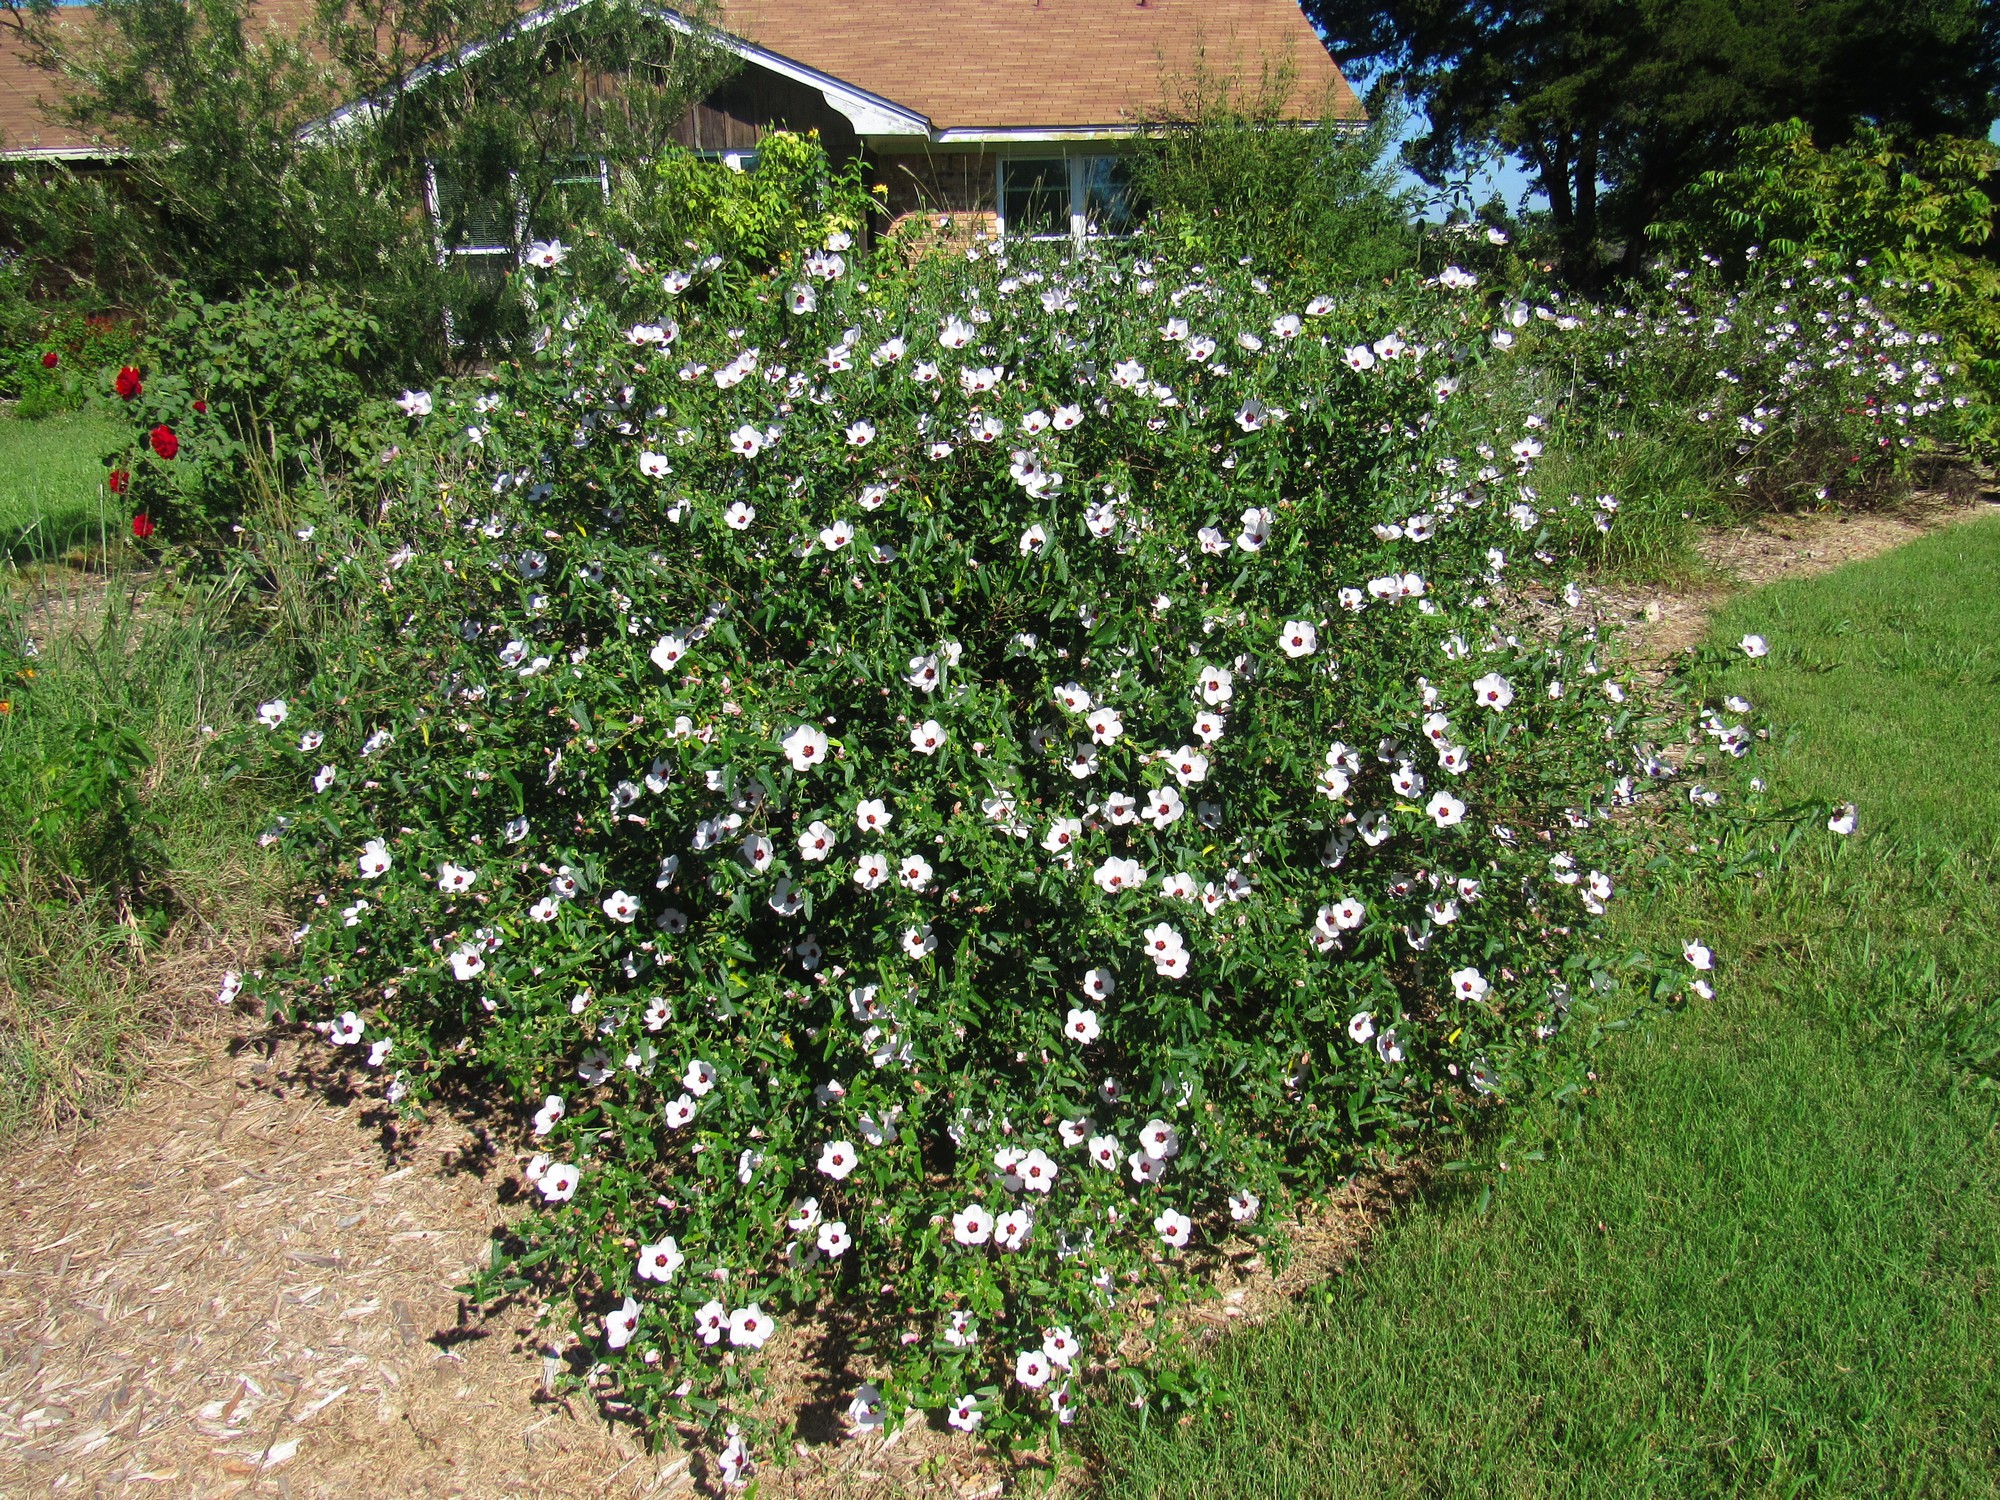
x=1615, y=105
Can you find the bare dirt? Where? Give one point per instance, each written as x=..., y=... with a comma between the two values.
x=241, y=1282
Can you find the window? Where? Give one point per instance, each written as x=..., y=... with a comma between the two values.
x=477, y=231
x=1035, y=200
x=1066, y=197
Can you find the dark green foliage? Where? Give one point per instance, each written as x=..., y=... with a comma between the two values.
x=1616, y=107
x=264, y=394
x=1226, y=176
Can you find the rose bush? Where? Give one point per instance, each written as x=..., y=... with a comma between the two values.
x=954, y=790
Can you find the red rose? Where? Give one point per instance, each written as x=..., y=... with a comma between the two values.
x=128, y=384
x=142, y=526
x=51, y=360
x=164, y=442
x=116, y=481
x=202, y=407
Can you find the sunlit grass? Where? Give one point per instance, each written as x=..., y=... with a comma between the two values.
x=52, y=496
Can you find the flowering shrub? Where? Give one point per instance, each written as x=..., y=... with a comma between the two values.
x=231, y=401
x=1795, y=384
x=958, y=791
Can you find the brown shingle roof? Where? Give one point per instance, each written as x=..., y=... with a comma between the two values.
x=993, y=64
x=962, y=64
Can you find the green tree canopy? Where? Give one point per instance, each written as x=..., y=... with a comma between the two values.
x=1616, y=105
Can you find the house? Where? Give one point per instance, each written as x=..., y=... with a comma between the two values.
x=1011, y=112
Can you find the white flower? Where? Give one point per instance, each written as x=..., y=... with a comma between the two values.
x=923, y=674
x=739, y=515
x=678, y=1112
x=1062, y=833
x=1032, y=1368
x=1173, y=1227
x=916, y=874
x=1362, y=1028
x=972, y=1226
x=654, y=465
x=621, y=1325
x=1256, y=529
x=1493, y=690
x=1165, y=947
x=927, y=738
x=1469, y=984
x=558, y=1182
x=1117, y=874
x=1082, y=1026
x=964, y=1414
x=1104, y=1150
x=1037, y=1173
x=919, y=942
x=620, y=907
x=1010, y=1229
x=467, y=962
x=836, y=536
x=1189, y=764
x=1033, y=540
x=273, y=713
x=1298, y=638
x=1106, y=725
x=415, y=403
x=1243, y=1206
x=837, y=1159
x=870, y=871
x=834, y=1239
x=872, y=815
x=1217, y=685
x=1445, y=810
x=699, y=1078
x=1755, y=646
x=749, y=1327
x=545, y=255
x=805, y=747
x=1843, y=820
x=660, y=1262
x=545, y=909
x=955, y=334
x=232, y=986
x=453, y=879
x=1697, y=954
x=747, y=441
x=861, y=433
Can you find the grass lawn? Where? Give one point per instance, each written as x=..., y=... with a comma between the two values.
x=1769, y=1264
x=52, y=497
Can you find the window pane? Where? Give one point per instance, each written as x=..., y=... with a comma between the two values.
x=1108, y=203
x=1037, y=197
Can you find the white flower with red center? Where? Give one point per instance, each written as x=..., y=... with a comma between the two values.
x=667, y=652
x=1063, y=833
x=1034, y=539
x=1698, y=955
x=834, y=1239
x=1494, y=691
x=837, y=536
x=923, y=674
x=927, y=738
x=955, y=334
x=1256, y=529
x=1010, y=1230
x=972, y=1226
x=1207, y=728
x=467, y=962
x=1755, y=646
x=375, y=859
x=619, y=1326
x=805, y=747
x=1104, y=1151
x=1082, y=762
x=1072, y=698
x=1173, y=1227
x=621, y=907
x=1189, y=765
x=1469, y=984
x=758, y=852
x=1844, y=819
x=1032, y=1368
x=1100, y=984
x=1216, y=685
x=837, y=1159
x=1121, y=808
x=816, y=841
x=558, y=1182
x=678, y=1112
x=1060, y=1345
x=1106, y=725
x=661, y=1261
x=452, y=879
x=1361, y=1028
x=700, y=1077
x=919, y=942
x=1081, y=1027
x=711, y=1322
x=872, y=815
x=1037, y=1172
x=1298, y=638
x=1163, y=808
x=746, y=441
x=750, y=1326
x=1166, y=949
x=1116, y=875
x=1243, y=1206
x=915, y=873
x=1445, y=810
x=964, y=1414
